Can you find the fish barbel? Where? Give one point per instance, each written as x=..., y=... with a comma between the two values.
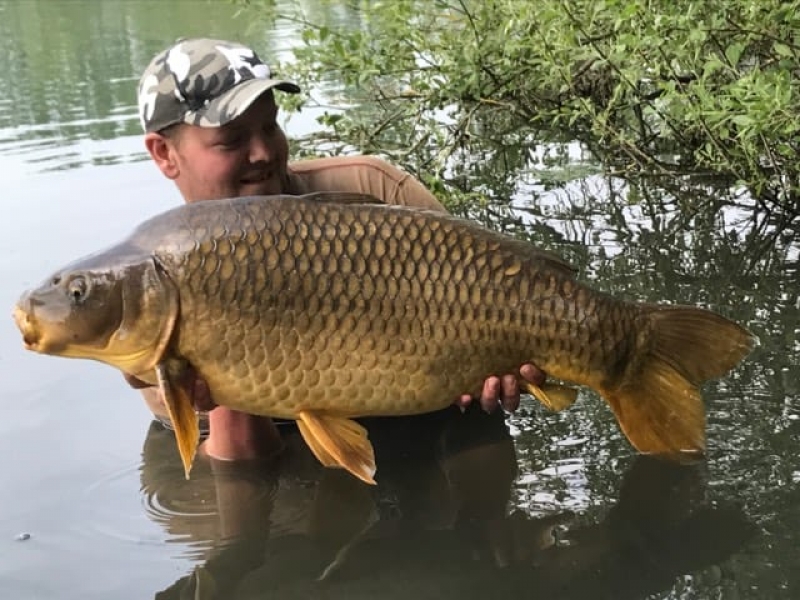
x=330, y=306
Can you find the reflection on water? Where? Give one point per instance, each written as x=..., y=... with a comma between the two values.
x=438, y=525
x=68, y=84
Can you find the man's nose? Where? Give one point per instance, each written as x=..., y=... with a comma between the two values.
x=261, y=148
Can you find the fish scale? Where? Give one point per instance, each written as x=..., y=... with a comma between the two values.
x=328, y=302
x=330, y=306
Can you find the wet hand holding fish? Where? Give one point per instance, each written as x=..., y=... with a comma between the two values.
x=326, y=307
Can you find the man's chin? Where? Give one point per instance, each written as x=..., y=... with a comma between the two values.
x=260, y=188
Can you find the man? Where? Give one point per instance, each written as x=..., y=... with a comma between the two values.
x=210, y=122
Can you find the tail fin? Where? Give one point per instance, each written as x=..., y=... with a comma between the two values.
x=658, y=403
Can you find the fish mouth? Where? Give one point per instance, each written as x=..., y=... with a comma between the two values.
x=30, y=335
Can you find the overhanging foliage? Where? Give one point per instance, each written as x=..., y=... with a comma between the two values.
x=476, y=96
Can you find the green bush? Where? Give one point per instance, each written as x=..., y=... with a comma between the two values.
x=481, y=97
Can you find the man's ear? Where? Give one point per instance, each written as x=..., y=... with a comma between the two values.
x=162, y=151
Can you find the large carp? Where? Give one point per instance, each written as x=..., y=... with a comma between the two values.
x=326, y=307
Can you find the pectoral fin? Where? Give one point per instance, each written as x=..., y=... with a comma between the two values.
x=337, y=441
x=554, y=396
x=181, y=413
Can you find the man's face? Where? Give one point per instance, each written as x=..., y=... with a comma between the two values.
x=245, y=157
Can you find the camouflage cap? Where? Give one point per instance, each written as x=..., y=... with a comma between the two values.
x=203, y=82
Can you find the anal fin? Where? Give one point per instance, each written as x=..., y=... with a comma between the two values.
x=554, y=396
x=337, y=441
x=182, y=414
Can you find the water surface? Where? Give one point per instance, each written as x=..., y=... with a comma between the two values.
x=536, y=504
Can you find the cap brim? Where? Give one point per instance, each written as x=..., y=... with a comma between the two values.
x=235, y=101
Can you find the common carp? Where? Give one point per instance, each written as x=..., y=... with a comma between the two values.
x=327, y=307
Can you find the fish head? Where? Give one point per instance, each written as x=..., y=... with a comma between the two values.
x=120, y=312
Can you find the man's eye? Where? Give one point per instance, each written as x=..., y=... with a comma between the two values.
x=232, y=140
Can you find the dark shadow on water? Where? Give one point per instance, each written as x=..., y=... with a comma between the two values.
x=439, y=524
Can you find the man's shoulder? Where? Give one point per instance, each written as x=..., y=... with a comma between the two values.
x=356, y=162
x=363, y=174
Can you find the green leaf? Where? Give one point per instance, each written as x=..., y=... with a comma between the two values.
x=782, y=49
x=734, y=52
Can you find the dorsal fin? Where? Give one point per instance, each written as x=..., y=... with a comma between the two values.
x=545, y=258
x=554, y=262
x=342, y=198
x=548, y=259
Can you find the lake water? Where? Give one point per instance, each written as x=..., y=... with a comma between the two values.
x=94, y=504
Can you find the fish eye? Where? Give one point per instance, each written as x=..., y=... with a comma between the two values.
x=76, y=289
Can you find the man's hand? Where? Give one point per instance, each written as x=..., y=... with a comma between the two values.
x=201, y=397
x=135, y=382
x=504, y=391
x=232, y=435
